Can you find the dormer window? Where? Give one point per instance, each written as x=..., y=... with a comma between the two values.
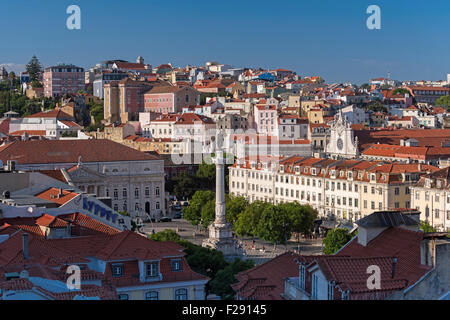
x=152, y=269
x=373, y=177
x=428, y=183
x=313, y=171
x=302, y=277
x=175, y=265
x=117, y=270
x=350, y=175
x=438, y=183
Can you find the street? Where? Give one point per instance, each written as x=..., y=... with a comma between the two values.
x=192, y=234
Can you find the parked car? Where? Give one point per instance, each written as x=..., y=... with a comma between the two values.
x=177, y=215
x=165, y=219
x=177, y=207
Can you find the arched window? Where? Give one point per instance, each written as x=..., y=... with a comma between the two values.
x=181, y=294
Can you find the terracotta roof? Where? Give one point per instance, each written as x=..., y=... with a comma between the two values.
x=57, y=196
x=425, y=137
x=29, y=133
x=54, y=113
x=266, y=281
x=71, y=124
x=394, y=242
x=68, y=151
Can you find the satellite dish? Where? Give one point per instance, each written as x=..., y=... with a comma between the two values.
x=30, y=210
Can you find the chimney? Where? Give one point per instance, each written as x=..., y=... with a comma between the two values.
x=60, y=194
x=419, y=167
x=25, y=245
x=394, y=265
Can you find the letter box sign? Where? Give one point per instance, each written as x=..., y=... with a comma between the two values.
x=98, y=210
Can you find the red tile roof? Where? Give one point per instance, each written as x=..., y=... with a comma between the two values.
x=394, y=242
x=29, y=133
x=57, y=196
x=69, y=151
x=266, y=281
x=54, y=113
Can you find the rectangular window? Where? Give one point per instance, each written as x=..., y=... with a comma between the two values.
x=302, y=277
x=152, y=295
x=175, y=265
x=314, y=286
x=152, y=269
x=117, y=270
x=330, y=291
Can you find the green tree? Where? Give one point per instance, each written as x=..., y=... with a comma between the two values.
x=443, y=101
x=34, y=68
x=273, y=225
x=247, y=222
x=206, y=171
x=185, y=186
x=234, y=207
x=301, y=218
x=221, y=284
x=365, y=86
x=401, y=91
x=208, y=212
x=193, y=212
x=377, y=106
x=426, y=227
x=166, y=235
x=335, y=240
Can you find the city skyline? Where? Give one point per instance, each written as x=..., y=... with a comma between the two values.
x=339, y=47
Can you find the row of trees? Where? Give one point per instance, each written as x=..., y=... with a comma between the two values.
x=208, y=262
x=273, y=223
x=185, y=186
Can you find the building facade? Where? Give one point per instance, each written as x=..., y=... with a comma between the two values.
x=431, y=196
x=59, y=80
x=133, y=180
x=345, y=189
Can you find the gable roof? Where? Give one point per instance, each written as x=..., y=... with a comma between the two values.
x=69, y=151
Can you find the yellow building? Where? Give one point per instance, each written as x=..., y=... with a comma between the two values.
x=431, y=196
x=345, y=189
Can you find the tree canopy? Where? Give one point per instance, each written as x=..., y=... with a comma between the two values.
x=34, y=68
x=426, y=227
x=335, y=240
x=208, y=262
x=193, y=212
x=443, y=101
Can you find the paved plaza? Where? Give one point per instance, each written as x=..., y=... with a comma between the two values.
x=259, y=252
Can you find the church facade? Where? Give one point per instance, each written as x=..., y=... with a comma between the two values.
x=342, y=143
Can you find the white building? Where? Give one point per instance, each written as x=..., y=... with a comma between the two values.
x=292, y=127
x=132, y=179
x=52, y=124
x=342, y=143
x=355, y=115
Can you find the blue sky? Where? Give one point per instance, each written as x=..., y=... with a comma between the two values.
x=327, y=37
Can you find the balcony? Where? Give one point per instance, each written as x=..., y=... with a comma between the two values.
x=292, y=291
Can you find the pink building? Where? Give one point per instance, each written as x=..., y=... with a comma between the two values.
x=266, y=120
x=170, y=99
x=59, y=80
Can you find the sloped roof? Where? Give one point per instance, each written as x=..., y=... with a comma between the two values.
x=69, y=151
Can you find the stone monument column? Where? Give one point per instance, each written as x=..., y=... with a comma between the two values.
x=220, y=232
x=220, y=189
